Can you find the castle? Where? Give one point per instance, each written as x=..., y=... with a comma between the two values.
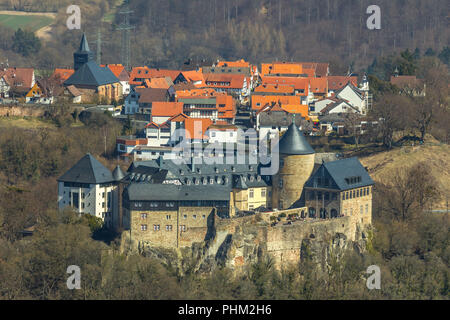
x=162, y=204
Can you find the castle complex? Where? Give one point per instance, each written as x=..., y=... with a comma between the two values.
x=162, y=204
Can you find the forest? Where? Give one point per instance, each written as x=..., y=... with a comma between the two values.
x=167, y=33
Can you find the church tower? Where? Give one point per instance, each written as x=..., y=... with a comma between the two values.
x=83, y=55
x=296, y=166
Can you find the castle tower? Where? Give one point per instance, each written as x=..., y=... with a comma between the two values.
x=83, y=55
x=296, y=166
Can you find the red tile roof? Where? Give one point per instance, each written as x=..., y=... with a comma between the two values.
x=197, y=127
x=337, y=82
x=62, y=75
x=226, y=81
x=233, y=64
x=297, y=82
x=275, y=88
x=166, y=109
x=138, y=74
x=19, y=77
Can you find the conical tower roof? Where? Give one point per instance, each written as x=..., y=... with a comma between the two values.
x=293, y=142
x=118, y=174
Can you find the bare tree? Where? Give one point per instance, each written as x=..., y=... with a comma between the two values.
x=352, y=123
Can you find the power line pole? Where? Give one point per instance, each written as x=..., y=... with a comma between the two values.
x=98, y=44
x=125, y=27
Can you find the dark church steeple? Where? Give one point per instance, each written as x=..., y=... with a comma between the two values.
x=83, y=55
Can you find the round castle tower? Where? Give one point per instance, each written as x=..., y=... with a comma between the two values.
x=296, y=166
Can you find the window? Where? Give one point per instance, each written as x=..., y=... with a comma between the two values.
x=368, y=191
x=103, y=204
x=281, y=183
x=367, y=208
x=263, y=193
x=156, y=227
x=194, y=216
x=251, y=193
x=204, y=216
x=185, y=216
x=361, y=211
x=183, y=228
x=169, y=228
x=143, y=216
x=103, y=195
x=168, y=217
x=357, y=193
x=143, y=227
x=346, y=195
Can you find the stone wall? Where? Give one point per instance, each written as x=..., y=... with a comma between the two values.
x=19, y=111
x=180, y=227
x=249, y=238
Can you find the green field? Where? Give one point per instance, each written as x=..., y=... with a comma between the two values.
x=32, y=23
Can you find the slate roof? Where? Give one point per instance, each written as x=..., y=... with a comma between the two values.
x=168, y=192
x=341, y=171
x=118, y=174
x=90, y=74
x=87, y=170
x=223, y=175
x=84, y=46
x=293, y=142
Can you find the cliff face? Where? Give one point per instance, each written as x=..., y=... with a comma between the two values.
x=236, y=243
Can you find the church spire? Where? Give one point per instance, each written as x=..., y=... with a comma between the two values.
x=84, y=45
x=83, y=55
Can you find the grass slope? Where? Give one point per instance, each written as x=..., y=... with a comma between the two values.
x=436, y=156
x=32, y=23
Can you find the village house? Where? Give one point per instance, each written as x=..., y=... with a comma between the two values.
x=272, y=120
x=16, y=82
x=409, y=84
x=163, y=111
x=141, y=99
x=44, y=91
x=214, y=107
x=139, y=74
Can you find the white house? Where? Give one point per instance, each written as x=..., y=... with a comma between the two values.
x=90, y=188
x=356, y=97
x=131, y=103
x=222, y=133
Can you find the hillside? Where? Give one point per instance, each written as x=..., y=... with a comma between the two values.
x=436, y=156
x=169, y=32
x=32, y=21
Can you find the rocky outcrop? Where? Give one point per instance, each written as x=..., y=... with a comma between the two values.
x=243, y=241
